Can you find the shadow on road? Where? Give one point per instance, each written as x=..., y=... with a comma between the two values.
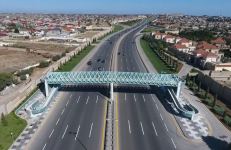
x=216, y=144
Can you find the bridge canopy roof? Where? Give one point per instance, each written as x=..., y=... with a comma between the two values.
x=104, y=77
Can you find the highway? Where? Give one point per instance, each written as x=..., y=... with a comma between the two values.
x=141, y=123
x=77, y=118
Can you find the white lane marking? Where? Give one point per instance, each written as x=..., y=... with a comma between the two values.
x=154, y=128
x=157, y=107
x=76, y=136
x=125, y=97
x=129, y=128
x=173, y=143
x=67, y=103
x=161, y=117
x=70, y=95
x=78, y=100
x=90, y=130
x=153, y=98
x=141, y=125
x=63, y=111
x=166, y=127
x=97, y=99
x=143, y=98
x=87, y=99
x=51, y=133
x=134, y=97
x=57, y=121
x=44, y=146
x=64, y=131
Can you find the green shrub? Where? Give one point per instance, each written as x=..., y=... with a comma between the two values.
x=3, y=120
x=56, y=57
x=227, y=120
x=24, y=72
x=6, y=79
x=44, y=64
x=23, y=77
x=218, y=110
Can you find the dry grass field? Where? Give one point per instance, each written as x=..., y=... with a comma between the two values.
x=12, y=60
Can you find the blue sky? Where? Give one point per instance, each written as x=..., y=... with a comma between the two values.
x=193, y=7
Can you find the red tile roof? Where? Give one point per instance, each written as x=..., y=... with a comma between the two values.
x=218, y=41
x=205, y=45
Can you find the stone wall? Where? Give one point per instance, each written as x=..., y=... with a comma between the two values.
x=223, y=92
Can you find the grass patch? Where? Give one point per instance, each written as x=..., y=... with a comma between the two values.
x=157, y=63
x=68, y=66
x=116, y=28
x=130, y=23
x=14, y=125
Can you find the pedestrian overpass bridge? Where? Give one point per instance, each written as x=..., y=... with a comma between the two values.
x=108, y=77
x=57, y=79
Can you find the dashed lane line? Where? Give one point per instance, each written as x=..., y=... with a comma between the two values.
x=76, y=136
x=51, y=133
x=157, y=107
x=87, y=100
x=166, y=127
x=97, y=99
x=78, y=99
x=64, y=131
x=67, y=103
x=134, y=97
x=141, y=125
x=91, y=130
x=173, y=143
x=57, y=121
x=143, y=98
x=63, y=111
x=129, y=127
x=44, y=146
x=154, y=128
x=161, y=117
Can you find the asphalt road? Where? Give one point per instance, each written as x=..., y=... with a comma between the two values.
x=77, y=118
x=141, y=123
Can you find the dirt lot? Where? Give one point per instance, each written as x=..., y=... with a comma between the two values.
x=88, y=34
x=12, y=60
x=52, y=49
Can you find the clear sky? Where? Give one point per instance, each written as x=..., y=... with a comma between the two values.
x=193, y=7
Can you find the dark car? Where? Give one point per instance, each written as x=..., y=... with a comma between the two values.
x=103, y=61
x=118, y=53
x=98, y=60
x=89, y=62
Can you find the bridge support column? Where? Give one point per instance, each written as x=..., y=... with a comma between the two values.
x=46, y=88
x=111, y=92
x=178, y=89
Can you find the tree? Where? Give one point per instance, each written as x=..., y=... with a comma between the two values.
x=199, y=87
x=214, y=100
x=16, y=30
x=207, y=92
x=3, y=120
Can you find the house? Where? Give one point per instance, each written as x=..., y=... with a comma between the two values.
x=181, y=48
x=206, y=56
x=159, y=35
x=219, y=42
x=185, y=42
x=208, y=47
x=169, y=39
